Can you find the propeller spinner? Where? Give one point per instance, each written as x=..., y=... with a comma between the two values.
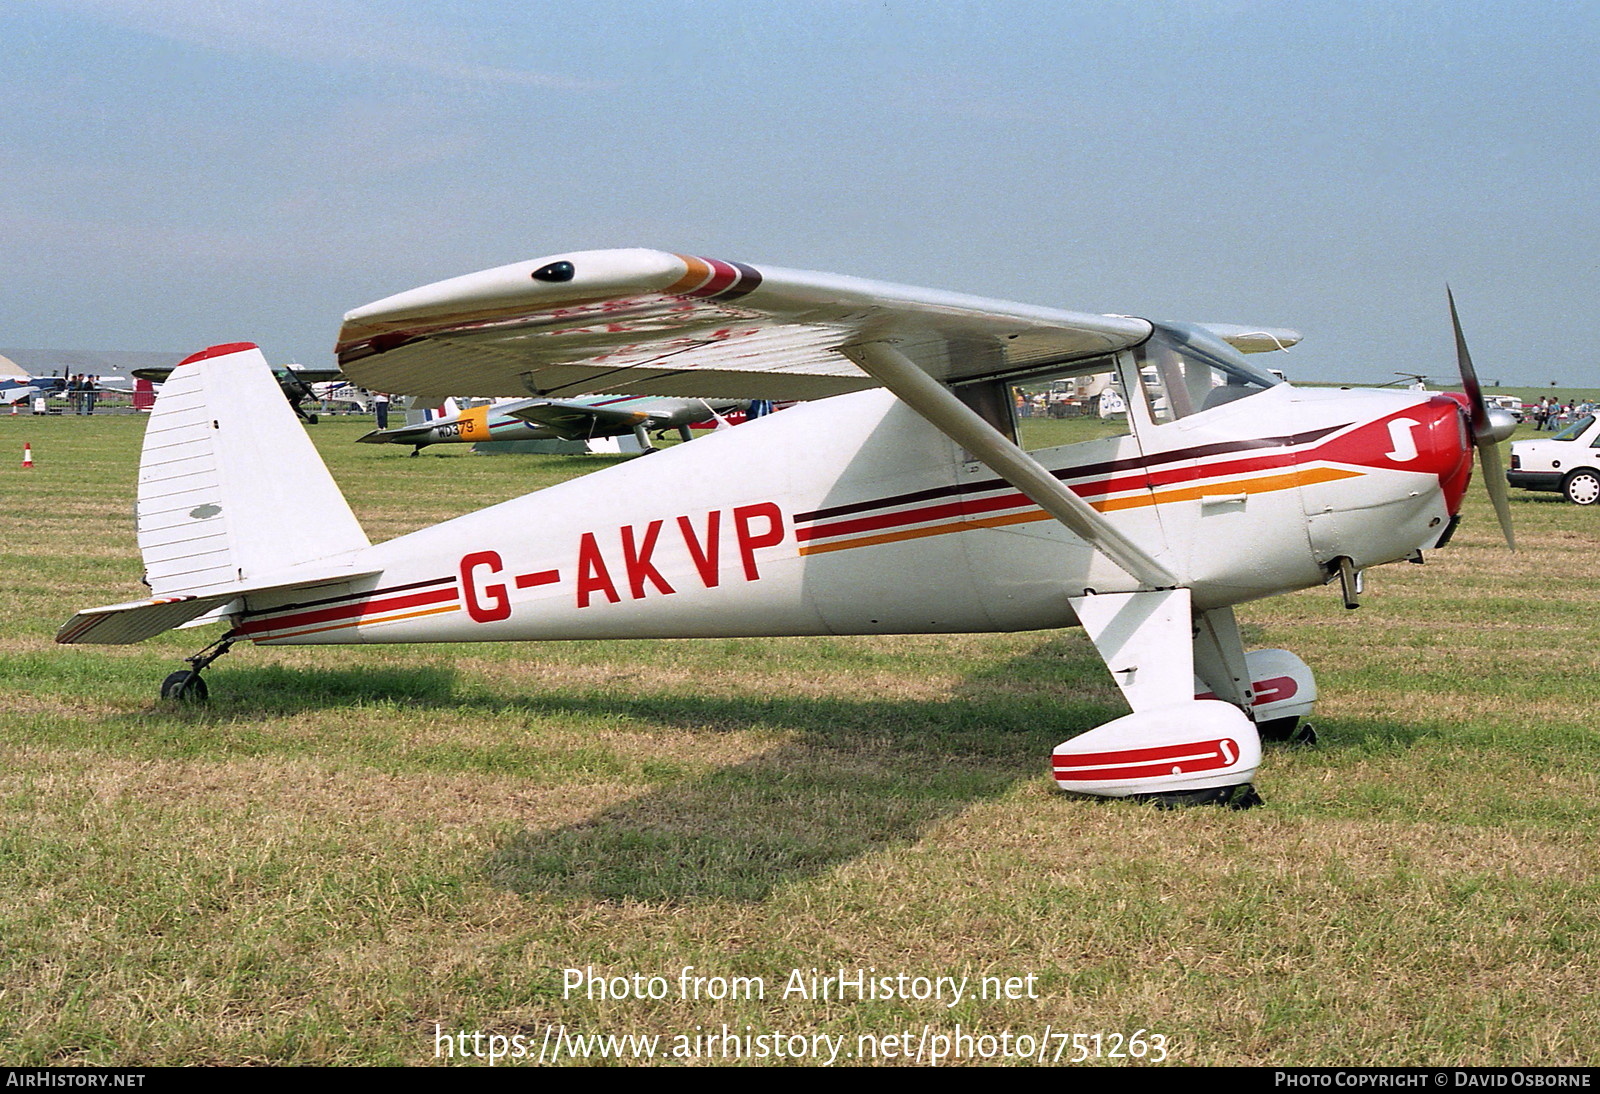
x=1489, y=428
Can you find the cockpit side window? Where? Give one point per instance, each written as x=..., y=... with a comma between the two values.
x=1079, y=402
x=1186, y=370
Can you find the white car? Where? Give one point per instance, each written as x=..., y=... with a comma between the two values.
x=1509, y=403
x=1568, y=462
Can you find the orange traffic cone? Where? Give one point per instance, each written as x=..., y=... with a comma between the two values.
x=27, y=456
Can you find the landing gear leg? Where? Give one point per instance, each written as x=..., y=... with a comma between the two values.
x=1173, y=749
x=186, y=685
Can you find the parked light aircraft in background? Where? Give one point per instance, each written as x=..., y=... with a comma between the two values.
x=337, y=393
x=296, y=383
x=559, y=419
x=23, y=389
x=904, y=500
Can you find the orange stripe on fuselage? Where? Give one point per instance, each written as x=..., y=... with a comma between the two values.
x=1264, y=485
x=353, y=623
x=934, y=530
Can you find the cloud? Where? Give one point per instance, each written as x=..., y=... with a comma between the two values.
x=321, y=32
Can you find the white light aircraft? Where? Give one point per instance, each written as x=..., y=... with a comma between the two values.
x=903, y=499
x=296, y=383
x=336, y=393
x=23, y=389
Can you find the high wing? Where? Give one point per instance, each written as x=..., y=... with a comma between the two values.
x=159, y=375
x=653, y=323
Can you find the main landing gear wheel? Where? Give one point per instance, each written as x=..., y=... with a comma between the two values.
x=1243, y=796
x=1582, y=488
x=185, y=686
x=1287, y=731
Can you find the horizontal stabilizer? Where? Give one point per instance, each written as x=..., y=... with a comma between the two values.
x=404, y=435
x=1253, y=339
x=121, y=624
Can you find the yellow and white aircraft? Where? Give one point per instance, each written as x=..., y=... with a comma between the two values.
x=903, y=498
x=543, y=419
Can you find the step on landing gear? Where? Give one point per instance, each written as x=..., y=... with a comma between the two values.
x=186, y=685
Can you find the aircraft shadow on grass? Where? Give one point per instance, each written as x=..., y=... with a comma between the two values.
x=881, y=775
x=858, y=775
x=790, y=813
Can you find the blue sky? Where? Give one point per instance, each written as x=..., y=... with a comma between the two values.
x=178, y=173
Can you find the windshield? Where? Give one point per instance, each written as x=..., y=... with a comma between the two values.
x=1187, y=369
x=1575, y=430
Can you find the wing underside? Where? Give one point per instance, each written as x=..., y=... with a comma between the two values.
x=653, y=323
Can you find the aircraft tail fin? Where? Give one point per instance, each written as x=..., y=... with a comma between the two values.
x=422, y=410
x=232, y=493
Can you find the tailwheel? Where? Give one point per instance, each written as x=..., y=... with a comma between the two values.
x=186, y=686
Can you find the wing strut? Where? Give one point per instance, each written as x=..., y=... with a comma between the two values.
x=961, y=424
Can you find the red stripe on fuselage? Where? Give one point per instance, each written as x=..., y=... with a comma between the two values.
x=1011, y=499
x=1138, y=465
x=350, y=611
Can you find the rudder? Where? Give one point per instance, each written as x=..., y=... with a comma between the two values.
x=231, y=490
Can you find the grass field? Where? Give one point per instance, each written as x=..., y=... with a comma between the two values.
x=350, y=852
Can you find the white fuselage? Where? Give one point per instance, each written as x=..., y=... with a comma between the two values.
x=853, y=515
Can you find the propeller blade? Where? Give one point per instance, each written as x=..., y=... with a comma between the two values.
x=1494, y=478
x=1469, y=375
x=1486, y=435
